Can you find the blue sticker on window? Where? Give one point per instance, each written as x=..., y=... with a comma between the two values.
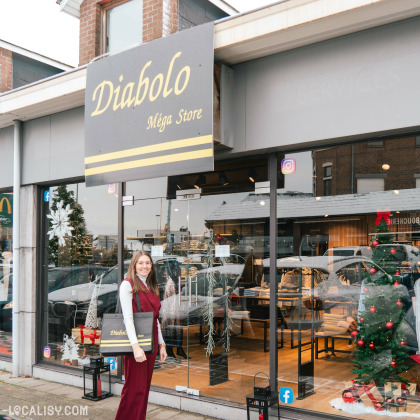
x=286, y=395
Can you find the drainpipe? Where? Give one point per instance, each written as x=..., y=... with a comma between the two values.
x=16, y=244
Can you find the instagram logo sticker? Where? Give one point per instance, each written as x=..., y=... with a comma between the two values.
x=47, y=352
x=288, y=166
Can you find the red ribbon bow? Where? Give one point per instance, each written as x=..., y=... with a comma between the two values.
x=82, y=337
x=93, y=336
x=385, y=214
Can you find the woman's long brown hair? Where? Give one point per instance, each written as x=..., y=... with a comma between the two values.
x=151, y=280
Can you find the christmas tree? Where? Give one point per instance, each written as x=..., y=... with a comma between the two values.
x=76, y=241
x=381, y=351
x=384, y=255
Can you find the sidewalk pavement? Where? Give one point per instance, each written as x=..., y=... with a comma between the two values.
x=31, y=398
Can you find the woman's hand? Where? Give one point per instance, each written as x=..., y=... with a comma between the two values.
x=139, y=354
x=162, y=353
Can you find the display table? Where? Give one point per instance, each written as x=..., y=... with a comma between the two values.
x=329, y=346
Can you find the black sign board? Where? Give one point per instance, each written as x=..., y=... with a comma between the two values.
x=149, y=110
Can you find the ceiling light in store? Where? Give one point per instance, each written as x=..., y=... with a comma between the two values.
x=385, y=166
x=252, y=175
x=396, y=192
x=397, y=211
x=201, y=180
x=180, y=184
x=326, y=215
x=317, y=198
x=175, y=209
x=262, y=203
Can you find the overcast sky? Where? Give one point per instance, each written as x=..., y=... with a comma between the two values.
x=39, y=26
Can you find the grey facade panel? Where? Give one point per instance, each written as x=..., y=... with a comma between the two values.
x=53, y=147
x=36, y=150
x=67, y=144
x=362, y=83
x=6, y=157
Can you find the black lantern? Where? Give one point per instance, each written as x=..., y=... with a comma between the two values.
x=96, y=367
x=262, y=400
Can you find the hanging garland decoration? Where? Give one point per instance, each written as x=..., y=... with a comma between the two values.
x=209, y=310
x=228, y=321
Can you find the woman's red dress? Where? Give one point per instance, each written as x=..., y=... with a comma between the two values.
x=138, y=376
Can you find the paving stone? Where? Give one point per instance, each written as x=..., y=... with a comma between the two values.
x=33, y=394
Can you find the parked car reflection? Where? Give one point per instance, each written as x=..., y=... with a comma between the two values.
x=399, y=258
x=58, y=278
x=68, y=307
x=325, y=283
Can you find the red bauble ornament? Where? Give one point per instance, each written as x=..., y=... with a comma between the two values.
x=405, y=393
x=360, y=343
x=401, y=401
x=374, y=243
x=390, y=400
x=394, y=363
x=372, y=309
x=392, y=251
x=372, y=270
x=397, y=273
x=396, y=283
x=379, y=406
x=371, y=346
x=399, y=304
x=354, y=334
x=403, y=343
x=403, y=386
x=365, y=289
x=389, y=325
x=362, y=320
x=348, y=396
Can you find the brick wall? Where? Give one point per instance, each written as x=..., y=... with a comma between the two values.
x=6, y=70
x=400, y=153
x=160, y=18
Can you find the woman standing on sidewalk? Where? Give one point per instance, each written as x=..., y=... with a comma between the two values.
x=138, y=368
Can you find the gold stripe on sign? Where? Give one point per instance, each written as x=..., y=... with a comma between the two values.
x=177, y=157
x=122, y=345
x=176, y=144
x=124, y=341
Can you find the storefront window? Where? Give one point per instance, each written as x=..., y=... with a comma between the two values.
x=79, y=265
x=348, y=281
x=6, y=272
x=207, y=258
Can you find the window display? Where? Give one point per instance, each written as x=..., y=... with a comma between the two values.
x=80, y=255
x=6, y=272
x=348, y=265
x=350, y=336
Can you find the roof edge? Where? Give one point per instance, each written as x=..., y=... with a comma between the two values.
x=34, y=56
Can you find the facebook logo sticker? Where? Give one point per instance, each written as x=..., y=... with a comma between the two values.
x=47, y=196
x=286, y=395
x=112, y=362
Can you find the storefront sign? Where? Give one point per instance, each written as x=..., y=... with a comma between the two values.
x=405, y=220
x=149, y=110
x=6, y=210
